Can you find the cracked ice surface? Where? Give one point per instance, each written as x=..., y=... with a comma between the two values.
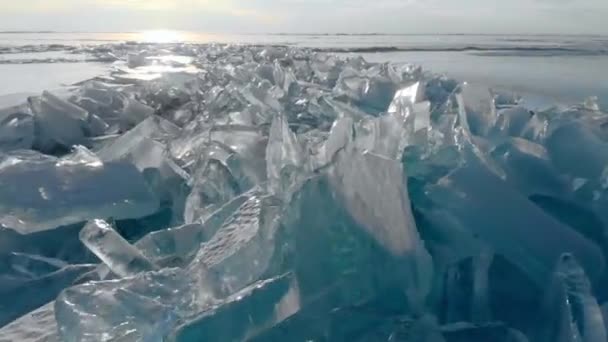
x=245, y=193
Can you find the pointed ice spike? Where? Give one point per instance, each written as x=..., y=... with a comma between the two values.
x=477, y=109
x=120, y=256
x=285, y=159
x=373, y=191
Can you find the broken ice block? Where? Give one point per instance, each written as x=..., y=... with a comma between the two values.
x=16, y=131
x=577, y=151
x=139, y=308
x=512, y=121
x=407, y=96
x=211, y=188
x=371, y=90
x=59, y=123
x=40, y=192
x=242, y=249
x=135, y=112
x=178, y=246
x=569, y=311
x=135, y=60
x=121, y=257
x=514, y=226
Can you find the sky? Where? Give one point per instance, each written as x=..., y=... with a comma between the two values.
x=310, y=16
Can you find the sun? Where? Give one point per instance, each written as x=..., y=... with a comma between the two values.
x=161, y=36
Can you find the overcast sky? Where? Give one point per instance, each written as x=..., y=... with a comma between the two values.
x=309, y=16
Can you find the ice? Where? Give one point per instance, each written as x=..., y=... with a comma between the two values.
x=16, y=129
x=244, y=315
x=60, y=124
x=529, y=168
x=34, y=265
x=35, y=291
x=250, y=193
x=476, y=108
x=468, y=195
x=41, y=192
x=512, y=121
x=286, y=161
x=122, y=258
x=36, y=326
x=565, y=144
x=242, y=249
x=491, y=332
x=129, y=309
x=569, y=311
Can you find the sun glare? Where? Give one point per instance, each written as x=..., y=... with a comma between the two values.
x=161, y=36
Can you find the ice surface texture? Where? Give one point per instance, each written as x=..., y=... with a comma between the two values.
x=239, y=193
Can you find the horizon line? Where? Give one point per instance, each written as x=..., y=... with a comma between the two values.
x=305, y=33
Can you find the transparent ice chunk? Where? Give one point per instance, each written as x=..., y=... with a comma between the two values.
x=121, y=257
x=178, y=246
x=140, y=308
x=371, y=90
x=59, y=122
x=245, y=314
x=242, y=249
x=211, y=188
x=41, y=192
x=406, y=97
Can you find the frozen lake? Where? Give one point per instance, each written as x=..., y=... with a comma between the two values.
x=562, y=69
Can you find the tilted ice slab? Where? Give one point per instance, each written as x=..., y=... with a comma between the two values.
x=41, y=192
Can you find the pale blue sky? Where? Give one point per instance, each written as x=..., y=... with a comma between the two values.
x=303, y=16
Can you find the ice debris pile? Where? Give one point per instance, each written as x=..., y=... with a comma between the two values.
x=276, y=194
